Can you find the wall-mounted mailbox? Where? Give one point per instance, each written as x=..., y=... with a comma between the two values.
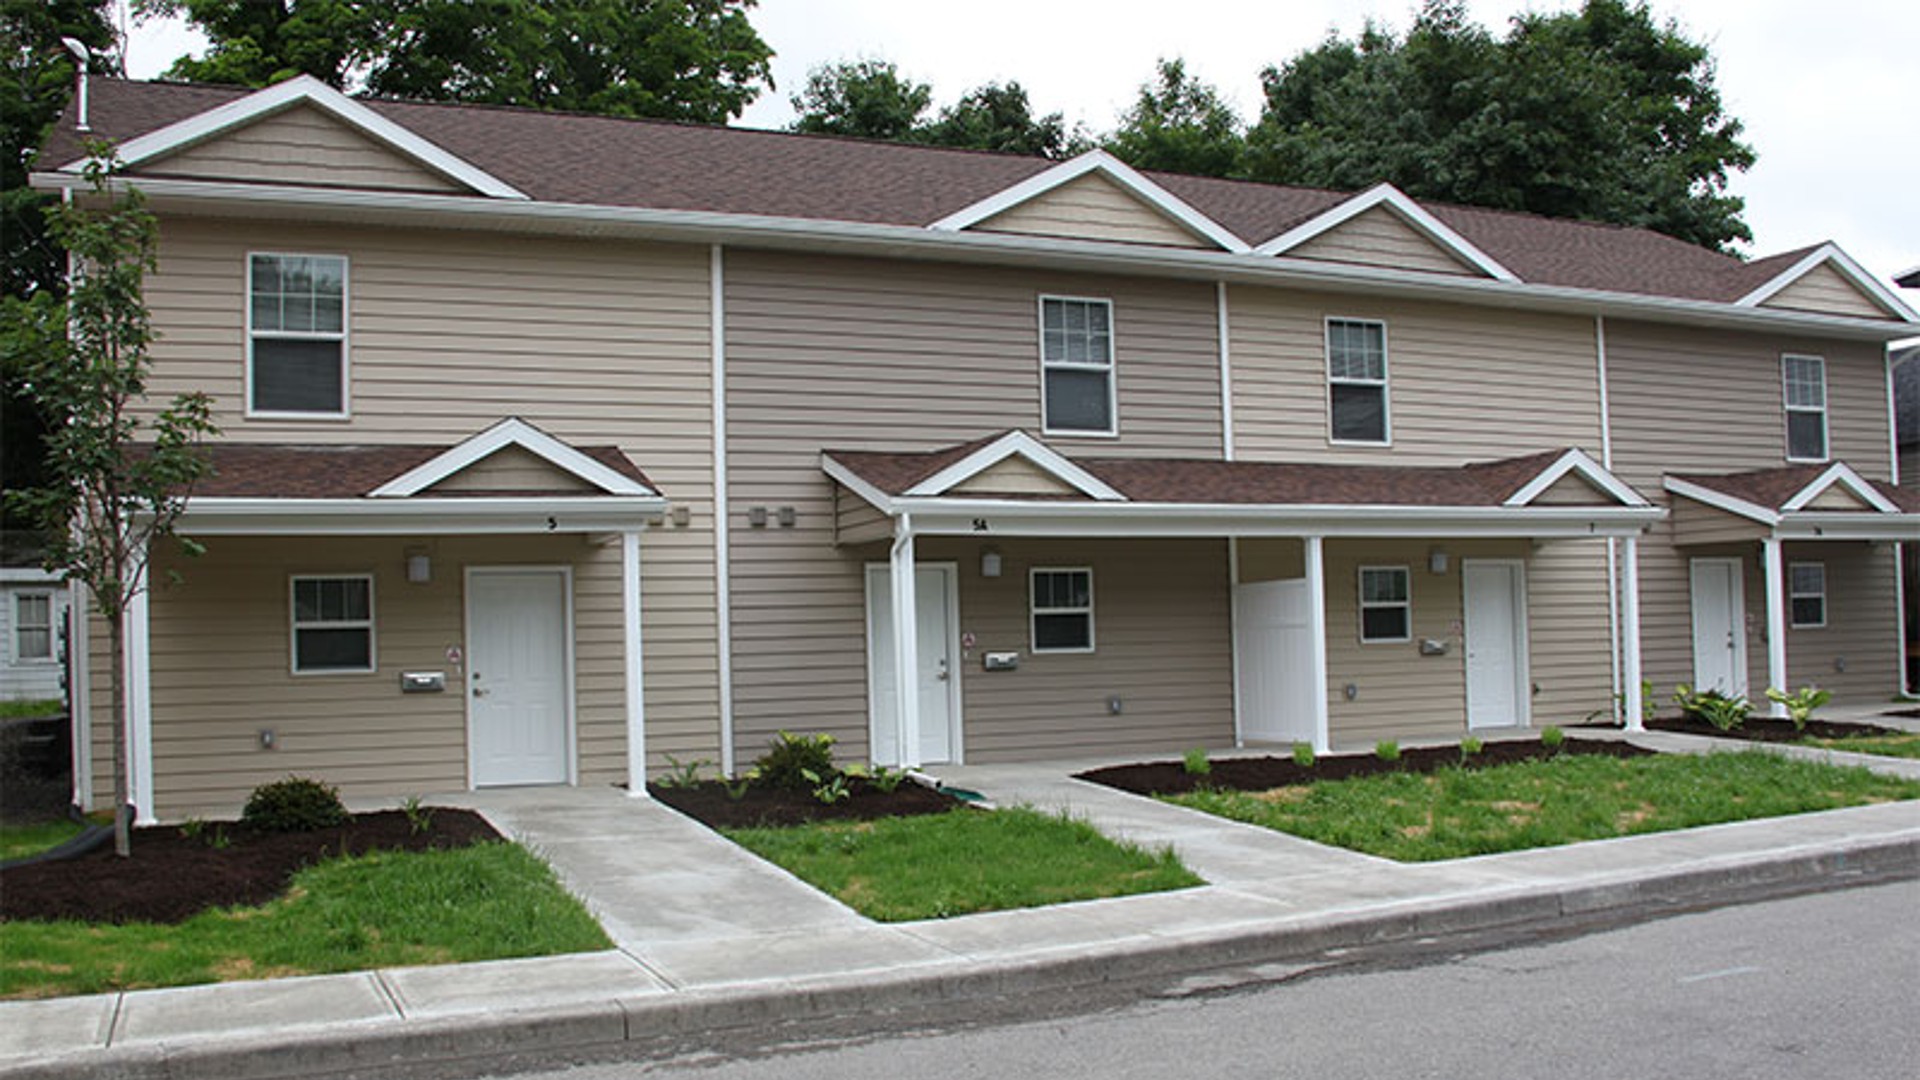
x=1000, y=661
x=1433, y=647
x=423, y=682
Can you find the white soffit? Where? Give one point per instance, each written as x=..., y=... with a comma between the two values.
x=1842, y=474
x=1158, y=198
x=1026, y=446
x=307, y=90
x=1578, y=463
x=512, y=431
x=1829, y=254
x=1408, y=211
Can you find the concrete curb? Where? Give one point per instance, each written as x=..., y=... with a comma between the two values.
x=604, y=1026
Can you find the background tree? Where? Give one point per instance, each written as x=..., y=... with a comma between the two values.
x=999, y=117
x=115, y=484
x=867, y=99
x=1179, y=124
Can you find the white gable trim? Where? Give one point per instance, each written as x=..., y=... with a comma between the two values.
x=1830, y=254
x=1006, y=446
x=857, y=484
x=1577, y=462
x=512, y=431
x=307, y=90
x=1720, y=500
x=1409, y=211
x=1840, y=473
x=1155, y=196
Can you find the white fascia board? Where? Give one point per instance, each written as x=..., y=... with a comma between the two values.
x=1409, y=211
x=512, y=431
x=1577, y=461
x=1720, y=500
x=1842, y=474
x=1042, y=518
x=217, y=516
x=1830, y=253
x=280, y=203
x=1009, y=445
x=1843, y=525
x=307, y=90
x=1166, y=202
x=29, y=575
x=857, y=484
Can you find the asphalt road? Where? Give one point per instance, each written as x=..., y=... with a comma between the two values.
x=1824, y=985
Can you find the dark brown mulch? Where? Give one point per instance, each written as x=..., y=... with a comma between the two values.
x=1905, y=714
x=1264, y=773
x=171, y=876
x=1767, y=729
x=710, y=803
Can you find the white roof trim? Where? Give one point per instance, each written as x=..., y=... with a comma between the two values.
x=224, y=516
x=307, y=90
x=512, y=431
x=30, y=575
x=1021, y=444
x=1576, y=461
x=1830, y=253
x=1842, y=474
x=1155, y=196
x=1720, y=500
x=1409, y=211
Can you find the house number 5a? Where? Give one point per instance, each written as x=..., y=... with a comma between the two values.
x=979, y=524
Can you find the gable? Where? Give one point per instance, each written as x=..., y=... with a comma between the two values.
x=299, y=145
x=1573, y=490
x=513, y=468
x=1092, y=207
x=1826, y=291
x=1014, y=475
x=1380, y=237
x=1839, y=497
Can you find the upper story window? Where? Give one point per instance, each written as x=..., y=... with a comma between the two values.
x=1386, y=604
x=333, y=623
x=33, y=626
x=1357, y=381
x=1076, y=366
x=1805, y=381
x=297, y=335
x=1062, y=609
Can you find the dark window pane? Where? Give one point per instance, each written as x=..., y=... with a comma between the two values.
x=1062, y=631
x=1809, y=611
x=1078, y=401
x=1807, y=435
x=1383, y=623
x=1359, y=413
x=333, y=650
x=296, y=376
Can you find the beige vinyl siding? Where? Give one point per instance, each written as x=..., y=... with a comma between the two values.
x=513, y=469
x=1014, y=476
x=1824, y=289
x=1093, y=207
x=300, y=146
x=1569, y=634
x=855, y=354
x=1842, y=498
x=1464, y=384
x=1862, y=613
x=1694, y=523
x=1380, y=237
x=855, y=519
x=1573, y=490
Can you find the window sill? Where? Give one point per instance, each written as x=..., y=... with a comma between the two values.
x=310, y=416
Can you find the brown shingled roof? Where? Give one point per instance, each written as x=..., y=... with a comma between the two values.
x=283, y=471
x=1772, y=488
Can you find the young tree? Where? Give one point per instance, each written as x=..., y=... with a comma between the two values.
x=1179, y=124
x=116, y=483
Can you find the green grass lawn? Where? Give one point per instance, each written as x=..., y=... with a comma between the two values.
x=1901, y=746
x=17, y=710
x=19, y=841
x=939, y=865
x=1456, y=812
x=485, y=902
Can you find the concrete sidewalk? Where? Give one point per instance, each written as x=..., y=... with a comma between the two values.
x=709, y=937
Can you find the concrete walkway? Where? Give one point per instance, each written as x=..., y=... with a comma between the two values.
x=708, y=936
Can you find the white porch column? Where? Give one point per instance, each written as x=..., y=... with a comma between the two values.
x=1317, y=631
x=80, y=691
x=633, y=657
x=1233, y=633
x=906, y=643
x=1776, y=622
x=1630, y=634
x=139, y=698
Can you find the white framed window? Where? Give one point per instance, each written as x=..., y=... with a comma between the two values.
x=1804, y=386
x=1357, y=409
x=1807, y=595
x=1076, y=367
x=332, y=623
x=297, y=336
x=1061, y=605
x=32, y=627
x=1386, y=604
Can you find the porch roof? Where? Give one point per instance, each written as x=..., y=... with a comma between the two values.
x=1814, y=501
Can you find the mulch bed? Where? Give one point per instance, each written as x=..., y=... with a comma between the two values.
x=171, y=876
x=1767, y=729
x=1266, y=773
x=710, y=803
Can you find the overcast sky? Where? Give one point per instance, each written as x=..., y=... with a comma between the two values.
x=1825, y=89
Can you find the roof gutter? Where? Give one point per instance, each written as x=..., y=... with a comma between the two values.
x=707, y=227
x=233, y=516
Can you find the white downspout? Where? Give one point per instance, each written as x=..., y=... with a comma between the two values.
x=634, y=658
x=722, y=556
x=1776, y=573
x=83, y=59
x=1613, y=545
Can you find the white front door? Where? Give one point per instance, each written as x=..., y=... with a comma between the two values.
x=1719, y=627
x=1494, y=605
x=937, y=608
x=517, y=692
x=1273, y=646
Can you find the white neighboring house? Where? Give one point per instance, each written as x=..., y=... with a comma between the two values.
x=33, y=609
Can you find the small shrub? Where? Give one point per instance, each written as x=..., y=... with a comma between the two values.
x=884, y=779
x=682, y=775
x=1800, y=705
x=295, y=804
x=737, y=789
x=419, y=815
x=1196, y=763
x=1552, y=738
x=791, y=757
x=1722, y=712
x=1303, y=755
x=1387, y=750
x=828, y=789
x=1470, y=746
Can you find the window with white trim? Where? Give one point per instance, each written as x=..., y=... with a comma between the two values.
x=332, y=623
x=1357, y=381
x=1804, y=383
x=1062, y=609
x=1386, y=604
x=1076, y=366
x=1807, y=595
x=297, y=335
x=32, y=626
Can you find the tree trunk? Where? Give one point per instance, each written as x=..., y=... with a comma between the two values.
x=122, y=795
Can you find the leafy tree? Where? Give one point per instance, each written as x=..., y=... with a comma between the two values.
x=1598, y=113
x=998, y=116
x=691, y=60
x=116, y=483
x=1179, y=124
x=868, y=99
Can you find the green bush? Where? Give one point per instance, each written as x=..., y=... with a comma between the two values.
x=1196, y=762
x=1552, y=737
x=1723, y=712
x=791, y=758
x=1387, y=750
x=295, y=804
x=1303, y=755
x=1470, y=746
x=1800, y=704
